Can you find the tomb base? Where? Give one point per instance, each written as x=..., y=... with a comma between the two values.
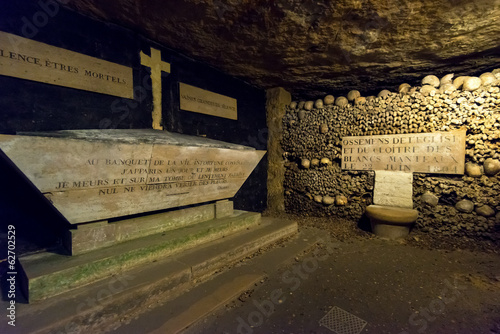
x=96, y=235
x=128, y=246
x=211, y=268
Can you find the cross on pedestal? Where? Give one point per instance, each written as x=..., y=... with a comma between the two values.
x=157, y=66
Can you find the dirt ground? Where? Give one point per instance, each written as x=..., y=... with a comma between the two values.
x=421, y=284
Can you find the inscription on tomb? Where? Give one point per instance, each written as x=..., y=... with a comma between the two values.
x=93, y=180
x=437, y=152
x=203, y=101
x=31, y=60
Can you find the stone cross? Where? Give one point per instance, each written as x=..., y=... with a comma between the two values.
x=157, y=66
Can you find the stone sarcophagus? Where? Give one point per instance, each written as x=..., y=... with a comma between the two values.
x=114, y=188
x=94, y=175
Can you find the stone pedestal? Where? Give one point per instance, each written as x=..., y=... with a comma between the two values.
x=93, y=236
x=391, y=222
x=392, y=215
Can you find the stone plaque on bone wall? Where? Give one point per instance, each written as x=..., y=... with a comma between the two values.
x=31, y=60
x=436, y=152
x=91, y=175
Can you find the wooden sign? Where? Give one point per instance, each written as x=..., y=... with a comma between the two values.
x=437, y=152
x=31, y=60
x=92, y=175
x=205, y=102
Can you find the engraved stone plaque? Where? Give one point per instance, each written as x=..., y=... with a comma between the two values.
x=203, y=101
x=31, y=60
x=92, y=175
x=437, y=152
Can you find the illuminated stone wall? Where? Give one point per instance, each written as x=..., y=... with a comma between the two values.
x=467, y=205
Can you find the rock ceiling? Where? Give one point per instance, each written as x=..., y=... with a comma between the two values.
x=313, y=48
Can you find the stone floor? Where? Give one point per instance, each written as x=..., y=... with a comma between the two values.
x=387, y=286
x=355, y=283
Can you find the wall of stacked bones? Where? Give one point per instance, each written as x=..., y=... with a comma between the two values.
x=460, y=205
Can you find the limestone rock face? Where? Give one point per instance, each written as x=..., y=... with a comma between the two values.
x=313, y=48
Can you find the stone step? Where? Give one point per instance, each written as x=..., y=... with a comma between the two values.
x=89, y=237
x=102, y=306
x=208, y=297
x=48, y=274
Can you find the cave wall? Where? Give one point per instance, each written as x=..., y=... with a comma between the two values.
x=468, y=205
x=312, y=47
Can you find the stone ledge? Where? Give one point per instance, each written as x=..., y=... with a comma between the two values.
x=49, y=274
x=136, y=136
x=89, y=237
x=141, y=288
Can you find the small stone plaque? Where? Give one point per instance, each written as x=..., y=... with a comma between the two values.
x=437, y=152
x=31, y=60
x=91, y=175
x=393, y=189
x=203, y=101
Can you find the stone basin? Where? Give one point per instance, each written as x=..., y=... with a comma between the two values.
x=391, y=222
